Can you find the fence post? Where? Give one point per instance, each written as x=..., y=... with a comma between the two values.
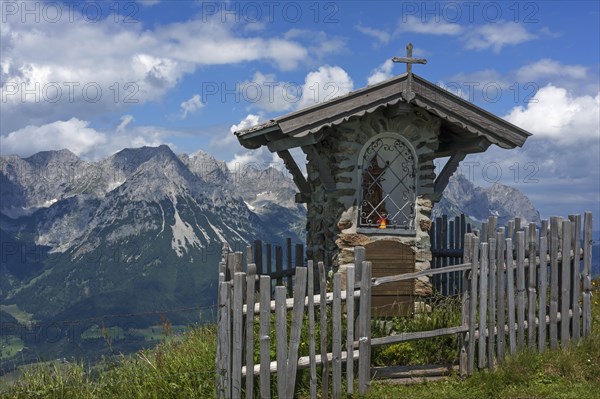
x=474, y=248
x=542, y=293
x=587, y=268
x=311, y=330
x=295, y=330
x=465, y=307
x=565, y=300
x=336, y=338
x=224, y=341
x=531, y=290
x=265, y=337
x=281, y=336
x=364, y=341
x=500, y=304
x=520, y=290
x=483, y=287
x=323, y=312
x=576, y=275
x=250, y=300
x=491, y=295
x=238, y=327
x=350, y=330
x=554, y=282
x=510, y=294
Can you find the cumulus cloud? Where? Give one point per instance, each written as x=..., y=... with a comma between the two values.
x=74, y=134
x=325, y=84
x=73, y=68
x=497, y=35
x=81, y=139
x=381, y=73
x=265, y=92
x=190, y=106
x=557, y=114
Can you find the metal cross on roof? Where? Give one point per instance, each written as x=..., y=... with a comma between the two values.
x=408, y=94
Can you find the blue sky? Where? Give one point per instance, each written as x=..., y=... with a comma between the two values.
x=98, y=76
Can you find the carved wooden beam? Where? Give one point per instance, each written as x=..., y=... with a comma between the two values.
x=297, y=176
x=324, y=170
x=294, y=142
x=442, y=180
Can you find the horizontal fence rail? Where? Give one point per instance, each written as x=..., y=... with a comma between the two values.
x=520, y=287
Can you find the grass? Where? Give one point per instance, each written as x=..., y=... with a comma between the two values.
x=183, y=367
x=21, y=316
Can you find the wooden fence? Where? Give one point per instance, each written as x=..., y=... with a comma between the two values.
x=277, y=261
x=447, y=243
x=508, y=276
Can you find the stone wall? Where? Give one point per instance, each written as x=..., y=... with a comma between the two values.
x=333, y=215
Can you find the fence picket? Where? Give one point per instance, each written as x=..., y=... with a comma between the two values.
x=350, y=329
x=531, y=287
x=364, y=341
x=281, y=337
x=576, y=275
x=465, y=307
x=265, y=337
x=565, y=300
x=295, y=331
x=554, y=282
x=323, y=312
x=336, y=337
x=587, y=268
x=473, y=302
x=520, y=290
x=500, y=304
x=483, y=288
x=250, y=287
x=238, y=328
x=311, y=330
x=543, y=291
x=510, y=293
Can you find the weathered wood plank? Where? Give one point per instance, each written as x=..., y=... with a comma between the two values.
x=510, y=294
x=289, y=260
x=414, y=336
x=229, y=338
x=565, y=301
x=554, y=277
x=587, y=269
x=279, y=264
x=364, y=362
x=492, y=224
x=350, y=330
x=265, y=337
x=281, y=337
x=483, y=291
x=576, y=276
x=224, y=347
x=428, y=272
x=510, y=229
x=311, y=330
x=336, y=338
x=474, y=248
x=444, y=240
x=258, y=257
x=501, y=302
x=531, y=287
x=491, y=296
x=359, y=258
x=239, y=279
x=323, y=312
x=520, y=290
x=543, y=291
x=250, y=299
x=465, y=298
x=295, y=331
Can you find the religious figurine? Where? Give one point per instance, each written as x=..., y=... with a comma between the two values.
x=373, y=209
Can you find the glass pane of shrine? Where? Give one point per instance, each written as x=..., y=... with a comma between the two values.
x=388, y=184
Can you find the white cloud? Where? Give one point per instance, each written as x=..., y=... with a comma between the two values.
x=325, y=84
x=381, y=73
x=264, y=92
x=548, y=68
x=249, y=121
x=555, y=113
x=413, y=24
x=75, y=69
x=497, y=35
x=190, y=106
x=73, y=134
x=77, y=136
x=381, y=36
